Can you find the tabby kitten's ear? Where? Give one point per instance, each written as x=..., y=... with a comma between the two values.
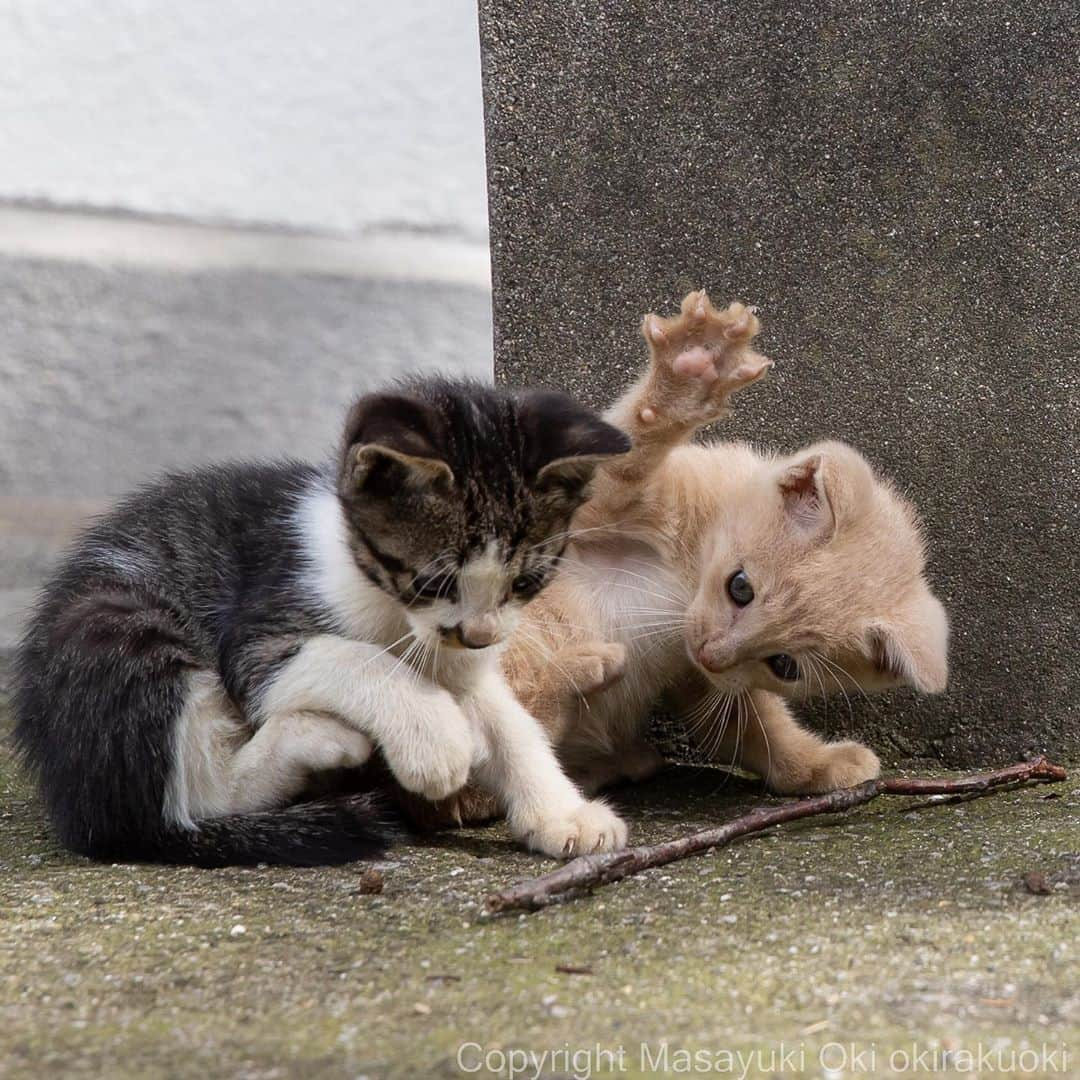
x=565, y=442
x=392, y=441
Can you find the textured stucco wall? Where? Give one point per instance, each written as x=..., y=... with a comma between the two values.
x=890, y=183
x=337, y=114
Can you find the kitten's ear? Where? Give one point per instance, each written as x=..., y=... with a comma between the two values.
x=806, y=498
x=912, y=648
x=565, y=442
x=392, y=441
x=824, y=486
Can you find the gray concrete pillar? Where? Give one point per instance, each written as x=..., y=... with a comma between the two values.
x=890, y=183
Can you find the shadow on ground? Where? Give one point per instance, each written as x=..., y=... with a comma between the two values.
x=888, y=927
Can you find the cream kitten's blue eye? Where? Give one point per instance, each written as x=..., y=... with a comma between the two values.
x=783, y=667
x=739, y=588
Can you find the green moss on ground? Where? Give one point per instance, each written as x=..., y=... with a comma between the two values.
x=891, y=925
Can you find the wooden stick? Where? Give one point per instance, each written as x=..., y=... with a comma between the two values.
x=587, y=871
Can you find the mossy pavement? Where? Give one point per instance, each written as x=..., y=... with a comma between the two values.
x=901, y=928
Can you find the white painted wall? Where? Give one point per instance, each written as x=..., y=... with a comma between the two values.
x=352, y=115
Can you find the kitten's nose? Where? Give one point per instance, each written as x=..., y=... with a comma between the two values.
x=478, y=632
x=709, y=659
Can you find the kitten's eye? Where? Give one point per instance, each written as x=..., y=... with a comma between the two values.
x=526, y=584
x=739, y=588
x=783, y=666
x=434, y=588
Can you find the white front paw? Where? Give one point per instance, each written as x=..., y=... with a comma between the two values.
x=591, y=827
x=432, y=754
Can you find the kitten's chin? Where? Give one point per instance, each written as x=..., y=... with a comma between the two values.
x=728, y=681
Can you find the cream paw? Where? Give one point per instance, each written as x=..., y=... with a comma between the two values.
x=700, y=357
x=593, y=666
x=833, y=766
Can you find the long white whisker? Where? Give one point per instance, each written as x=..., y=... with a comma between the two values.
x=765, y=736
x=839, y=683
x=393, y=644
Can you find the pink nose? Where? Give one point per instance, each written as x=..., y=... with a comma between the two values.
x=706, y=660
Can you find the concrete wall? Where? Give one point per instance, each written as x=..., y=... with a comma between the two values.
x=337, y=149
x=337, y=114
x=890, y=183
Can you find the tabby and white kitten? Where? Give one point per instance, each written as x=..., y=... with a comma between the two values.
x=224, y=634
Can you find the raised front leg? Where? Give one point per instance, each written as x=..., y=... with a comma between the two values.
x=760, y=733
x=697, y=360
x=542, y=806
x=426, y=739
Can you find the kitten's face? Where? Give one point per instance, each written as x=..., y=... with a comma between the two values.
x=459, y=499
x=817, y=586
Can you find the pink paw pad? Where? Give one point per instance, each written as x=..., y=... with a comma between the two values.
x=697, y=363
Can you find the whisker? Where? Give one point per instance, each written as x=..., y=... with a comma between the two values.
x=393, y=644
x=651, y=581
x=549, y=658
x=765, y=736
x=851, y=712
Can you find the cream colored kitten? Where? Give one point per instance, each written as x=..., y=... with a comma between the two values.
x=730, y=580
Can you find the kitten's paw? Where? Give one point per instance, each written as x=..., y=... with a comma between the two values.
x=341, y=746
x=700, y=357
x=593, y=666
x=836, y=765
x=590, y=828
x=433, y=754
x=844, y=764
x=306, y=743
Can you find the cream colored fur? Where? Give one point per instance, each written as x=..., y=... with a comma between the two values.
x=641, y=608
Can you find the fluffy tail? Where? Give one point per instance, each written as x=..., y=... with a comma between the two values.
x=322, y=833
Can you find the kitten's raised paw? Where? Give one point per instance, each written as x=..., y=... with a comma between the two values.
x=701, y=357
x=593, y=666
x=590, y=828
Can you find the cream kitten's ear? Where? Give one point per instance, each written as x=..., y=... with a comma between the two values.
x=912, y=649
x=826, y=485
x=806, y=498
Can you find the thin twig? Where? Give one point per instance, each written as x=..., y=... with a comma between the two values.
x=588, y=871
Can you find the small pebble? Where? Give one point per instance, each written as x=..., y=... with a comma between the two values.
x=238, y=930
x=370, y=884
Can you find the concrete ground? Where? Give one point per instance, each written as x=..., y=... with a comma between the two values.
x=901, y=929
